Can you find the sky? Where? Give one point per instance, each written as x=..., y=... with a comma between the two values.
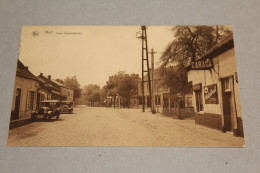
x=91, y=53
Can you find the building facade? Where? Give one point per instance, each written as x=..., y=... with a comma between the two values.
x=164, y=98
x=65, y=92
x=216, y=97
x=25, y=92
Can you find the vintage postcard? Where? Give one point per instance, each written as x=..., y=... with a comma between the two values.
x=151, y=86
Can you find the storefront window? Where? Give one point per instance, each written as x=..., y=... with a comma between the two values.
x=227, y=85
x=189, y=101
x=199, y=102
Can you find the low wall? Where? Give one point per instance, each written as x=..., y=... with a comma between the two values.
x=209, y=120
x=19, y=122
x=184, y=112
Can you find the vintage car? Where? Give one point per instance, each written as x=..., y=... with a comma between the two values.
x=67, y=106
x=47, y=110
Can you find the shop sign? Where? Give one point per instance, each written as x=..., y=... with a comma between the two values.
x=211, y=94
x=202, y=64
x=196, y=87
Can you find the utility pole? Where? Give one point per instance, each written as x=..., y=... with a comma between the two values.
x=152, y=95
x=147, y=70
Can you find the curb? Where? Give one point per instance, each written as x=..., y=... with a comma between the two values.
x=19, y=122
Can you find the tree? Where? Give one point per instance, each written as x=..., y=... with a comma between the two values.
x=122, y=84
x=93, y=94
x=191, y=42
x=73, y=83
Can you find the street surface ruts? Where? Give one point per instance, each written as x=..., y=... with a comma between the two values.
x=93, y=126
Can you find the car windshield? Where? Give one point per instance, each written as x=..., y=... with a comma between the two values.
x=50, y=104
x=67, y=103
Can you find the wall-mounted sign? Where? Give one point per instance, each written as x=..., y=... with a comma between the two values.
x=202, y=64
x=211, y=94
x=196, y=87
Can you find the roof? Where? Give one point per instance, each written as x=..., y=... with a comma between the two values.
x=23, y=71
x=219, y=48
x=60, y=84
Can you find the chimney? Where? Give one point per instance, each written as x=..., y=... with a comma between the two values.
x=26, y=67
x=41, y=74
x=49, y=77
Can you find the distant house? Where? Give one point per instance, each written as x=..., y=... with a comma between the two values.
x=164, y=98
x=59, y=91
x=65, y=91
x=25, y=92
x=160, y=92
x=215, y=90
x=55, y=88
x=44, y=91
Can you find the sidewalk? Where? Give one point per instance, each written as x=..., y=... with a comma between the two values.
x=19, y=122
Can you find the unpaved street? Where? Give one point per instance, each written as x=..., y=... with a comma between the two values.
x=91, y=126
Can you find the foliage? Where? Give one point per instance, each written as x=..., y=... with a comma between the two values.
x=122, y=84
x=175, y=77
x=189, y=43
x=93, y=93
x=73, y=83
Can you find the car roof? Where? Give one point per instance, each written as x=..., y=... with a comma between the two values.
x=47, y=101
x=67, y=101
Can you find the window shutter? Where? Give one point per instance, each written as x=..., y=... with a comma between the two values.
x=28, y=100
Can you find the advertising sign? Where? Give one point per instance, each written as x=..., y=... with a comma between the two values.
x=211, y=94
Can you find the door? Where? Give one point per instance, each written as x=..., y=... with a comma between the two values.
x=227, y=103
x=148, y=101
x=17, y=103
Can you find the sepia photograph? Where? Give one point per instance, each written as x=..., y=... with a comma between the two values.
x=131, y=86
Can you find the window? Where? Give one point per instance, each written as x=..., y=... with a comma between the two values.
x=42, y=97
x=157, y=100
x=30, y=100
x=189, y=101
x=227, y=85
x=140, y=100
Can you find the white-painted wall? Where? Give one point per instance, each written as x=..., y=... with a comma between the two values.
x=25, y=85
x=224, y=66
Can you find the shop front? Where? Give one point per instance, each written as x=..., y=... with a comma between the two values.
x=216, y=99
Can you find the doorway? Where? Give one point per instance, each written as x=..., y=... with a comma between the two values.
x=17, y=103
x=227, y=104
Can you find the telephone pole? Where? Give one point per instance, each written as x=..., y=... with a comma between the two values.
x=152, y=95
x=147, y=70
